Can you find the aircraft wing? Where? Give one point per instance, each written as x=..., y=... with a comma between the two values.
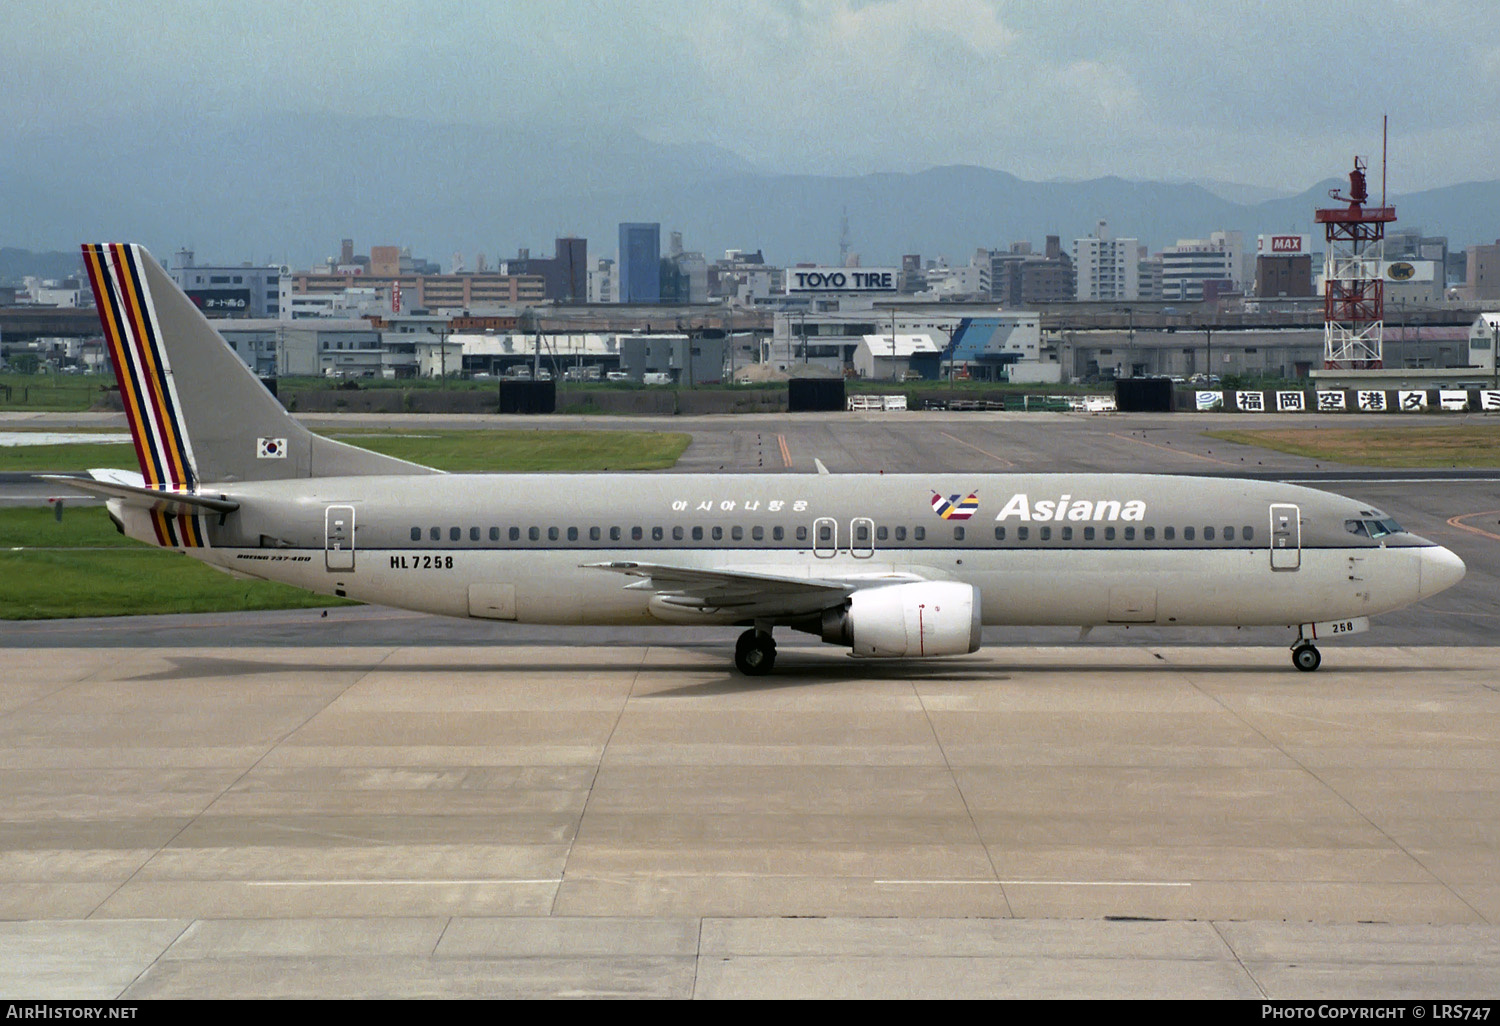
x=687, y=591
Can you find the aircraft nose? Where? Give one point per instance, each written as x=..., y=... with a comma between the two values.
x=1441, y=570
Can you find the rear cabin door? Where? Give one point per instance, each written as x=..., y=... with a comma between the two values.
x=338, y=534
x=1286, y=536
x=861, y=537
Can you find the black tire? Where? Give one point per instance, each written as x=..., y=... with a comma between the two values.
x=1306, y=658
x=755, y=657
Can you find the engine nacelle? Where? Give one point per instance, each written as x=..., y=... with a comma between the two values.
x=926, y=618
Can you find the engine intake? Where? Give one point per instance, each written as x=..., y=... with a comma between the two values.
x=927, y=618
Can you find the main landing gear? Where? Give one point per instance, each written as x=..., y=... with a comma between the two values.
x=755, y=653
x=1305, y=656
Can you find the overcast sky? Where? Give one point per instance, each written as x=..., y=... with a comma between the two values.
x=1271, y=93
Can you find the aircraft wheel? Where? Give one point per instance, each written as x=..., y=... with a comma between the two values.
x=1306, y=658
x=755, y=653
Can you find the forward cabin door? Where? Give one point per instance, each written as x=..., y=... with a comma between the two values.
x=1286, y=536
x=338, y=535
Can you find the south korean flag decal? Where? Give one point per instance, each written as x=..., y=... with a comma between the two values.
x=270, y=449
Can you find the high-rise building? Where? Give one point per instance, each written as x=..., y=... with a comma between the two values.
x=1106, y=268
x=1020, y=277
x=1482, y=272
x=565, y=274
x=640, y=262
x=1189, y=266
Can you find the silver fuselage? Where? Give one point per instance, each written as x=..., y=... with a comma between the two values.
x=1073, y=549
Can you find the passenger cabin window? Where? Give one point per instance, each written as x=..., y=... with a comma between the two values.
x=593, y=534
x=656, y=534
x=494, y=534
x=1229, y=534
x=1109, y=534
x=882, y=534
x=534, y=533
x=515, y=534
x=919, y=533
x=737, y=533
x=1247, y=532
x=677, y=534
x=1150, y=534
x=1168, y=533
x=572, y=534
x=1067, y=534
x=999, y=534
x=1045, y=534
x=1022, y=533
x=454, y=533
x=802, y=534
x=758, y=534
x=958, y=534
x=697, y=534
x=636, y=534
x=1088, y=534
x=614, y=534
x=1130, y=534
x=1187, y=534
x=552, y=534
x=473, y=534
x=1208, y=534
x=435, y=533
x=416, y=534
x=718, y=533
x=901, y=534
x=778, y=533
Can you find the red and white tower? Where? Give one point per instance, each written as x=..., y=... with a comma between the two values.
x=1353, y=286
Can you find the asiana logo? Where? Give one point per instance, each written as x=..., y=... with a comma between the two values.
x=1020, y=507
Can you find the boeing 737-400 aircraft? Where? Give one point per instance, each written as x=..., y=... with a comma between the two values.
x=896, y=565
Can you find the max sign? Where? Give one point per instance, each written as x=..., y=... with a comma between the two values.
x=840, y=279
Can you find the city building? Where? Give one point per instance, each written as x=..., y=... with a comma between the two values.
x=639, y=265
x=1484, y=342
x=1000, y=347
x=1148, y=276
x=1020, y=278
x=897, y=358
x=565, y=275
x=1106, y=268
x=680, y=358
x=1283, y=266
x=603, y=281
x=244, y=290
x=1482, y=272
x=311, y=348
x=1196, y=269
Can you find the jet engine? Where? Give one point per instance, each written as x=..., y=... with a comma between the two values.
x=926, y=618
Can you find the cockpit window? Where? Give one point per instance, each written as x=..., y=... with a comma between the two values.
x=1373, y=528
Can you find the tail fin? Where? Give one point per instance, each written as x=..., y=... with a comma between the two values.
x=197, y=413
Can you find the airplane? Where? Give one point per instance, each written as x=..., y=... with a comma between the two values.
x=893, y=565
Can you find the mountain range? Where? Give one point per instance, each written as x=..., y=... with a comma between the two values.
x=285, y=188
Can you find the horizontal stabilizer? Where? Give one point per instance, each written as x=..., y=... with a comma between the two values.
x=154, y=499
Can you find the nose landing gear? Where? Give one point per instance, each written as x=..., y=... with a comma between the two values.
x=1305, y=656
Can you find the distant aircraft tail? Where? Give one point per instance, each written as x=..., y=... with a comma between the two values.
x=197, y=413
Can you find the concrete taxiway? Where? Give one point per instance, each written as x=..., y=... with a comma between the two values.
x=377, y=803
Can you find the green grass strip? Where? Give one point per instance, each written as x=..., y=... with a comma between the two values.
x=1436, y=447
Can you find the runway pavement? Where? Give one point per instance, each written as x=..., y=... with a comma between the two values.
x=379, y=803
